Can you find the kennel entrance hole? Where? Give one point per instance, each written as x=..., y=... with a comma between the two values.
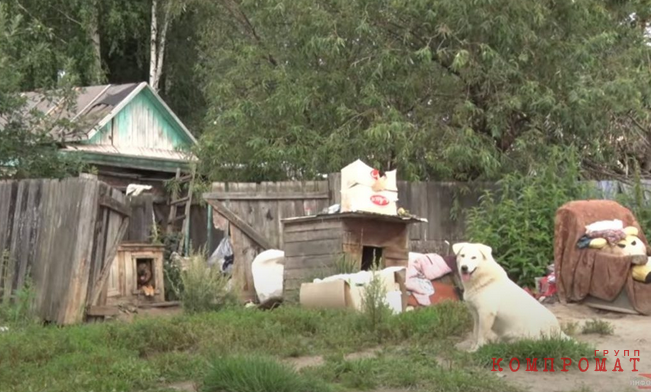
x=370, y=256
x=145, y=272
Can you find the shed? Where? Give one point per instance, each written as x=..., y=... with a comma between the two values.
x=314, y=245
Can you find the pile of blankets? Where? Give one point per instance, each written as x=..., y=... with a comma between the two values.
x=421, y=270
x=610, y=230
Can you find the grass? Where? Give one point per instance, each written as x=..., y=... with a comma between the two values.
x=598, y=327
x=546, y=348
x=570, y=328
x=258, y=374
x=412, y=367
x=149, y=353
x=239, y=350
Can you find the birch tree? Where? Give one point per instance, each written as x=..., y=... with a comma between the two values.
x=162, y=14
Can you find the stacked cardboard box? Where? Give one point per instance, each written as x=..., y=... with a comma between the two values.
x=363, y=189
x=340, y=292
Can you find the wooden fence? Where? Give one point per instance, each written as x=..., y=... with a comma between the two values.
x=253, y=213
x=64, y=235
x=147, y=210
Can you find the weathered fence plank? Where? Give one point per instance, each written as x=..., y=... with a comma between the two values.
x=58, y=233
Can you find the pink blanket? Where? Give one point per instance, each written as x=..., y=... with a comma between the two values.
x=420, y=273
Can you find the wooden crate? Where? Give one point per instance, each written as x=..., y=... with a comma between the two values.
x=314, y=245
x=122, y=285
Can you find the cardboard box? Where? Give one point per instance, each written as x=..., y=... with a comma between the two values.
x=363, y=199
x=359, y=173
x=339, y=294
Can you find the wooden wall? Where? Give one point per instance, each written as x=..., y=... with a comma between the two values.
x=253, y=213
x=311, y=249
x=313, y=246
x=64, y=235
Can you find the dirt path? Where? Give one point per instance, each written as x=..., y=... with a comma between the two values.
x=631, y=333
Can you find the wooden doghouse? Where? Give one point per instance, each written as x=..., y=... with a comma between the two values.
x=314, y=245
x=123, y=285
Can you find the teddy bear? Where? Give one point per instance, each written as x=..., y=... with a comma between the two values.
x=631, y=245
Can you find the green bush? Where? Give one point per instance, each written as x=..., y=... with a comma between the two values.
x=518, y=223
x=204, y=288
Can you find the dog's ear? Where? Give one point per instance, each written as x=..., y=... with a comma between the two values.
x=456, y=248
x=485, y=251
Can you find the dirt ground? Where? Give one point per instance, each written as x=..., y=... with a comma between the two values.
x=631, y=333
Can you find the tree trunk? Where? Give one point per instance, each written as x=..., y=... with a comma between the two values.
x=97, y=50
x=161, y=48
x=153, y=50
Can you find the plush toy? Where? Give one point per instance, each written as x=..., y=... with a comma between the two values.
x=631, y=245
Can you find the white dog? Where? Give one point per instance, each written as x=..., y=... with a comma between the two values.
x=497, y=303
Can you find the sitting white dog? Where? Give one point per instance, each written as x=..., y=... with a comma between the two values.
x=497, y=303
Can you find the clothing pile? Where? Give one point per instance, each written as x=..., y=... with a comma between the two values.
x=610, y=230
x=421, y=270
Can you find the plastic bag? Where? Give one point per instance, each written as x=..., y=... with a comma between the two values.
x=223, y=256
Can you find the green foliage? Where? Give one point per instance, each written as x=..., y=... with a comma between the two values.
x=20, y=311
x=16, y=308
x=257, y=374
x=518, y=222
x=171, y=269
x=27, y=149
x=635, y=198
x=439, y=89
x=375, y=309
x=204, y=288
x=599, y=327
x=345, y=264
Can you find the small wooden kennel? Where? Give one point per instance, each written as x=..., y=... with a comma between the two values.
x=136, y=275
x=314, y=245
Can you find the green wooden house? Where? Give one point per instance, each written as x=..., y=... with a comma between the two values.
x=125, y=131
x=130, y=136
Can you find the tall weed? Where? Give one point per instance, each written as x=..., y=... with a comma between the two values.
x=375, y=309
x=518, y=223
x=20, y=310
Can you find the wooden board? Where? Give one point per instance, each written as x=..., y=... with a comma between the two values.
x=621, y=304
x=56, y=233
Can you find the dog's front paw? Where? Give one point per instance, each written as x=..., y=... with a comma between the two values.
x=474, y=348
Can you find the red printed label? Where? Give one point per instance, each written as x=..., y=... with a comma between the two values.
x=379, y=200
x=375, y=174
